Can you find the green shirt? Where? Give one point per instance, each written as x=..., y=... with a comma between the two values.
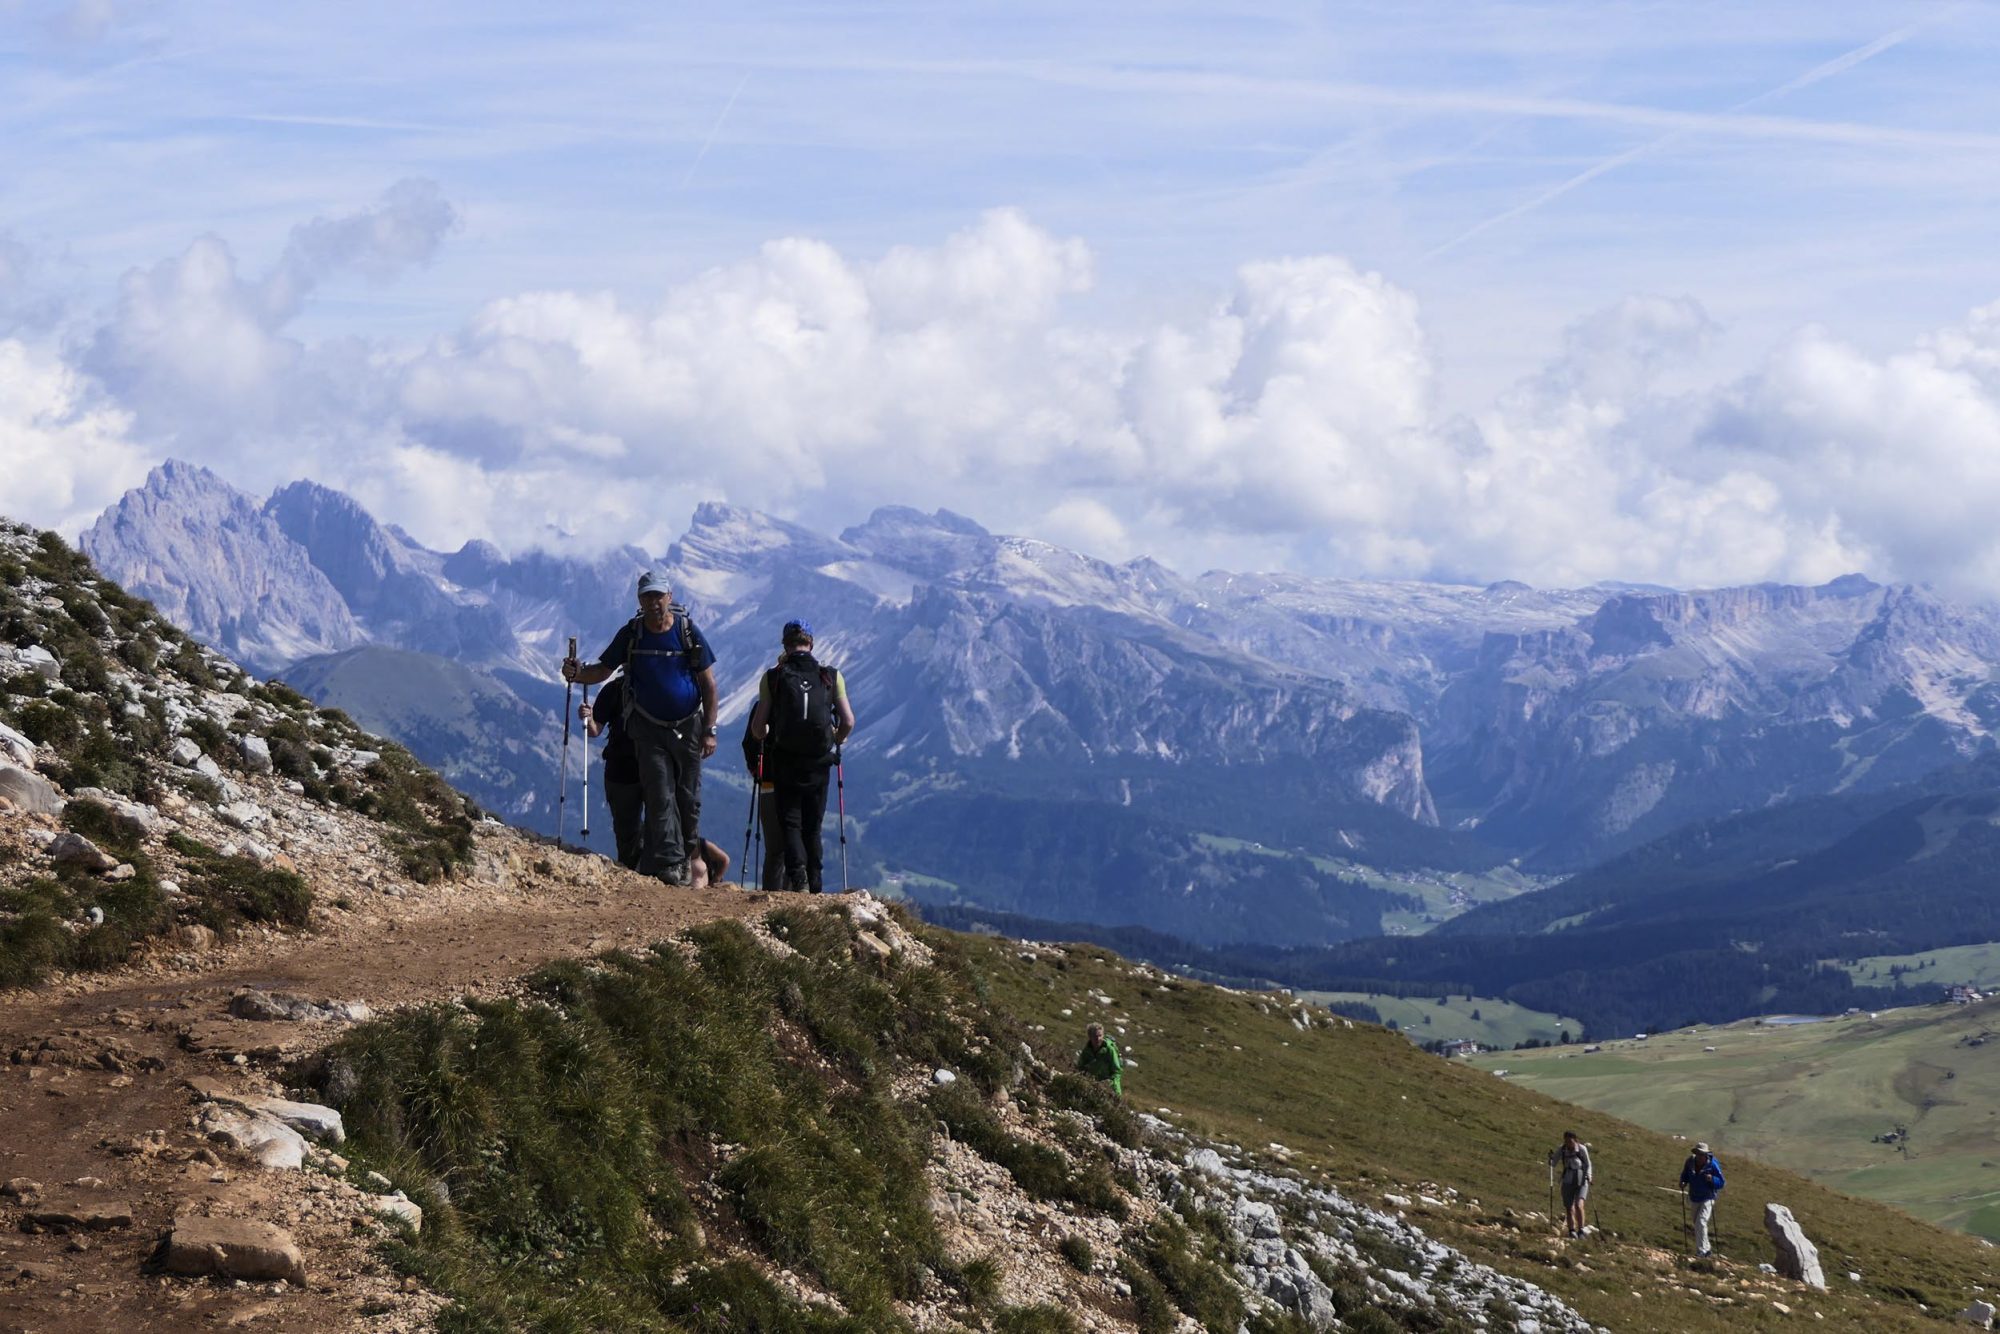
x=1103, y=1062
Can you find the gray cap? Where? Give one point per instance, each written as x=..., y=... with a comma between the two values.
x=653, y=583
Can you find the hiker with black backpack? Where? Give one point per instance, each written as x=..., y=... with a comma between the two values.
x=801, y=719
x=1572, y=1159
x=668, y=710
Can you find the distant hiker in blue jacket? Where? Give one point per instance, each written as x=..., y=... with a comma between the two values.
x=669, y=712
x=1701, y=1178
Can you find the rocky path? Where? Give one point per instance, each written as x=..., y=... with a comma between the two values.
x=97, y=1111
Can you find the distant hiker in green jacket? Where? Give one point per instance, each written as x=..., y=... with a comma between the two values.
x=1100, y=1060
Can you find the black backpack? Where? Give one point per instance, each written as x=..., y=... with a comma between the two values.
x=801, y=715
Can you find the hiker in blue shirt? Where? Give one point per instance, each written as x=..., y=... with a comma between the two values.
x=669, y=710
x=1701, y=1178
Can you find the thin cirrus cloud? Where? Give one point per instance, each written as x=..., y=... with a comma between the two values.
x=1297, y=423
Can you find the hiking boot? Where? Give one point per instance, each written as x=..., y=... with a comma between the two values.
x=678, y=875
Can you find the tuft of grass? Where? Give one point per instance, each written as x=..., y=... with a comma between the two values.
x=1154, y=1309
x=1039, y=1169
x=230, y=891
x=593, y=1133
x=1094, y=1098
x=1196, y=1283
x=1034, y=1320
x=1076, y=1250
x=430, y=823
x=979, y=1279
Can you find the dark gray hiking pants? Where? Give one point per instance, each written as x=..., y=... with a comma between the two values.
x=669, y=757
x=628, y=813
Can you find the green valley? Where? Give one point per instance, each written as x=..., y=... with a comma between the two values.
x=1973, y=965
x=1486, y=1020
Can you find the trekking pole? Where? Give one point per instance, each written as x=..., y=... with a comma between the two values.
x=750, y=824
x=562, y=790
x=1551, y=1165
x=840, y=785
x=586, y=774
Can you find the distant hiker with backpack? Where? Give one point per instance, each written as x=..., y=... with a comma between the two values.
x=801, y=719
x=623, y=793
x=668, y=710
x=1100, y=1059
x=1572, y=1160
x=1701, y=1178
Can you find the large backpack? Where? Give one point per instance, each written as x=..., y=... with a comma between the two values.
x=801, y=715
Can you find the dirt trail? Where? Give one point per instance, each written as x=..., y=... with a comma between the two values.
x=99, y=1063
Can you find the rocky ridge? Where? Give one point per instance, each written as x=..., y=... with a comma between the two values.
x=1558, y=725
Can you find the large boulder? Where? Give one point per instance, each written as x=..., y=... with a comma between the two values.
x=99, y=1217
x=1798, y=1258
x=256, y=753
x=15, y=748
x=270, y=1141
x=308, y=1118
x=35, y=658
x=1979, y=1313
x=231, y=1248
x=71, y=849
x=28, y=790
x=282, y=1007
x=133, y=819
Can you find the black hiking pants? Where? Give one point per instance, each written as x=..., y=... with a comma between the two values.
x=772, y=875
x=669, y=756
x=801, y=810
x=628, y=815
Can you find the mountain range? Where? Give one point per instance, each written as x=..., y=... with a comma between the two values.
x=1361, y=729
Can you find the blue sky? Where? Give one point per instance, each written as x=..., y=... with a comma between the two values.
x=1509, y=170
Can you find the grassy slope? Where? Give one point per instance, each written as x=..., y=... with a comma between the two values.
x=1369, y=1111
x=1500, y=1024
x=1978, y=965
x=1814, y=1096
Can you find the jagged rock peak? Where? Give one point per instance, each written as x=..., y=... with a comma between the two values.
x=932, y=545
x=474, y=563
x=726, y=537
x=908, y=519
x=211, y=558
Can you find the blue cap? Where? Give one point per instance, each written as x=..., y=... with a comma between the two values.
x=653, y=583
x=797, y=630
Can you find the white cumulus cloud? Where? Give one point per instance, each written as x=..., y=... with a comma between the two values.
x=1296, y=423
